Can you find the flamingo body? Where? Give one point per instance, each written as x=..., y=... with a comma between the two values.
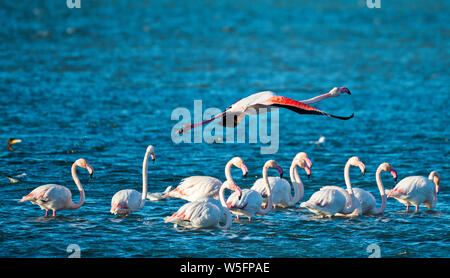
x=196, y=187
x=281, y=190
x=328, y=201
x=50, y=197
x=415, y=190
x=198, y=214
x=366, y=199
x=248, y=204
x=126, y=201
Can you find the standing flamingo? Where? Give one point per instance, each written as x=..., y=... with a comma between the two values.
x=333, y=200
x=206, y=212
x=248, y=202
x=417, y=190
x=281, y=189
x=267, y=99
x=129, y=200
x=198, y=187
x=57, y=197
x=367, y=200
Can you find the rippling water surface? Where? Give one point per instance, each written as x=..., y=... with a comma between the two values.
x=101, y=82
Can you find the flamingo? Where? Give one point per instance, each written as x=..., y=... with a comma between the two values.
x=417, y=190
x=198, y=187
x=128, y=200
x=333, y=200
x=205, y=212
x=248, y=202
x=12, y=141
x=367, y=200
x=57, y=197
x=281, y=189
x=267, y=99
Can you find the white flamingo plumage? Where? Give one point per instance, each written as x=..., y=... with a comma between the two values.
x=266, y=100
x=57, y=197
x=199, y=187
x=334, y=200
x=248, y=202
x=367, y=200
x=417, y=190
x=128, y=200
x=206, y=212
x=281, y=189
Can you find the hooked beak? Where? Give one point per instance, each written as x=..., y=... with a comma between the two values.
x=244, y=170
x=394, y=174
x=362, y=167
x=308, y=171
x=280, y=171
x=153, y=157
x=90, y=170
x=308, y=162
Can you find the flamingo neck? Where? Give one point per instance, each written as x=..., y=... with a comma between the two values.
x=381, y=189
x=297, y=184
x=225, y=208
x=228, y=171
x=350, y=206
x=144, y=179
x=435, y=189
x=316, y=99
x=269, y=193
x=80, y=188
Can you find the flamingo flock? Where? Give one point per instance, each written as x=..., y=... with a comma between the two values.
x=207, y=206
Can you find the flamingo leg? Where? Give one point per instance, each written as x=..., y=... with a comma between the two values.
x=249, y=219
x=417, y=208
x=54, y=213
x=46, y=212
x=407, y=207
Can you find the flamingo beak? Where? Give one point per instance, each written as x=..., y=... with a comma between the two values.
x=244, y=170
x=280, y=171
x=394, y=174
x=362, y=167
x=308, y=162
x=153, y=157
x=90, y=170
x=308, y=171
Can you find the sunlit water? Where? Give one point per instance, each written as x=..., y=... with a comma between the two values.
x=101, y=82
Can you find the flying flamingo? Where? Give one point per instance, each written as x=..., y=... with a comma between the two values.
x=417, y=190
x=129, y=200
x=197, y=187
x=281, y=189
x=206, y=212
x=57, y=197
x=248, y=202
x=333, y=200
x=267, y=99
x=12, y=141
x=367, y=200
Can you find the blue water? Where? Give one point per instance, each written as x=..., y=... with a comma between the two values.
x=101, y=82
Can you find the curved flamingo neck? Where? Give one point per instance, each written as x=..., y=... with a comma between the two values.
x=80, y=188
x=381, y=189
x=350, y=206
x=144, y=179
x=225, y=208
x=269, y=193
x=297, y=184
x=316, y=99
x=228, y=171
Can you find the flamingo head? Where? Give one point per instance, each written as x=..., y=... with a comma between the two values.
x=436, y=179
x=84, y=164
x=239, y=163
x=354, y=161
x=302, y=160
x=151, y=151
x=388, y=168
x=232, y=186
x=337, y=91
x=274, y=165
